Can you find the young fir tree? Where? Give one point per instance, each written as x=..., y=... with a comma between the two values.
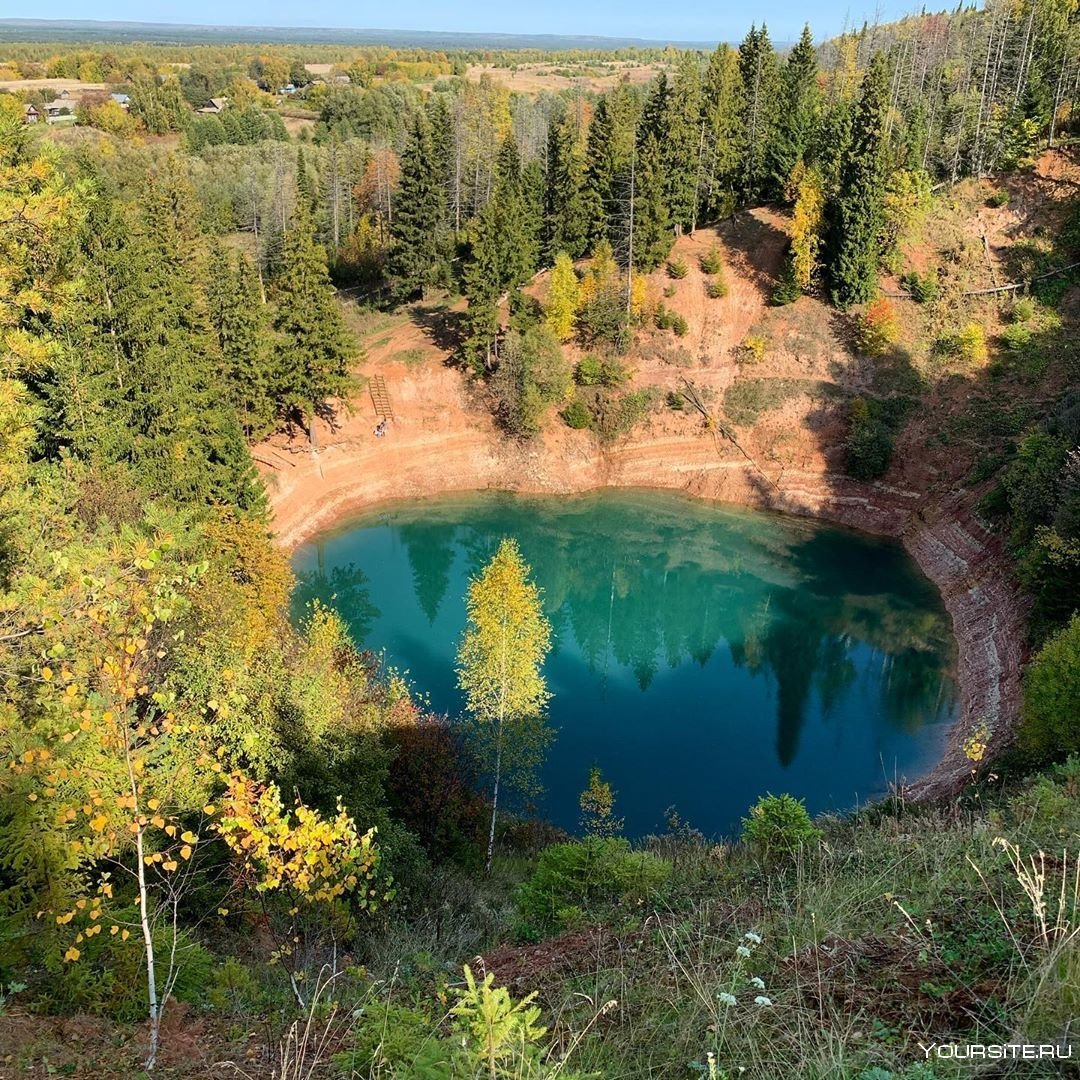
x=499, y=665
x=240, y=325
x=761, y=103
x=417, y=259
x=797, y=119
x=855, y=214
x=566, y=227
x=314, y=344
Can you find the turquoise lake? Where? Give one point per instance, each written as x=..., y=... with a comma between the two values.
x=702, y=656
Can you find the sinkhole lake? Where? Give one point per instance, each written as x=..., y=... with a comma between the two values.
x=702, y=655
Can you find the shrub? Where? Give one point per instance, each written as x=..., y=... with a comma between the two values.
x=998, y=198
x=591, y=873
x=876, y=328
x=1016, y=338
x=663, y=318
x=1022, y=310
x=669, y=291
x=752, y=350
x=677, y=269
x=588, y=371
x=969, y=344
x=577, y=415
x=1050, y=726
x=680, y=326
x=786, y=290
x=779, y=826
x=869, y=444
x=924, y=288
x=712, y=262
x=716, y=288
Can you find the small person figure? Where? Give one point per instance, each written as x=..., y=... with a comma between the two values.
x=380, y=431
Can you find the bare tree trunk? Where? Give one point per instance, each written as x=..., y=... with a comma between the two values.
x=494, y=799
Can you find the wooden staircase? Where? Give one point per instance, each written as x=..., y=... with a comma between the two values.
x=380, y=398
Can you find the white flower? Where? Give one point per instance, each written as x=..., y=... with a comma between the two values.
x=725, y=998
x=757, y=983
x=742, y=951
x=754, y=939
x=762, y=1000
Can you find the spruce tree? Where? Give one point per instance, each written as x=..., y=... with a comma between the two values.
x=601, y=165
x=240, y=325
x=652, y=225
x=682, y=144
x=725, y=133
x=564, y=207
x=761, y=104
x=855, y=214
x=418, y=259
x=797, y=119
x=314, y=344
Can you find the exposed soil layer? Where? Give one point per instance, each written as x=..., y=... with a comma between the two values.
x=784, y=418
x=953, y=550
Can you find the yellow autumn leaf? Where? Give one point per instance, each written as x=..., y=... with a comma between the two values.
x=169, y=865
x=125, y=934
x=185, y=852
x=72, y=955
x=189, y=837
x=98, y=823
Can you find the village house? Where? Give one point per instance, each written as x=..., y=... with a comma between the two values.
x=215, y=105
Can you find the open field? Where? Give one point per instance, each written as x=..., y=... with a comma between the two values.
x=533, y=78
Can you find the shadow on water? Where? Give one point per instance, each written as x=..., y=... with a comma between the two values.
x=678, y=628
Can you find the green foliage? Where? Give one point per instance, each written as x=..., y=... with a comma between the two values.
x=856, y=212
x=417, y=259
x=597, y=804
x=1050, y=728
x=787, y=289
x=869, y=444
x=1022, y=310
x=712, y=262
x=315, y=346
x=779, y=826
x=532, y=374
x=998, y=198
x=588, y=876
x=716, y=288
x=577, y=415
x=677, y=269
x=924, y=288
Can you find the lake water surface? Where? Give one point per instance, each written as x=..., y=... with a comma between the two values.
x=702, y=657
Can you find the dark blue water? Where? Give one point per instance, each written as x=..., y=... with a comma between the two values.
x=702, y=656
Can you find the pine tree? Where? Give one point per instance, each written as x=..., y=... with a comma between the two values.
x=564, y=207
x=797, y=120
x=855, y=215
x=314, y=346
x=418, y=258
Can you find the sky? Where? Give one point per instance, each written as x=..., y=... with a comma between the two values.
x=688, y=20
